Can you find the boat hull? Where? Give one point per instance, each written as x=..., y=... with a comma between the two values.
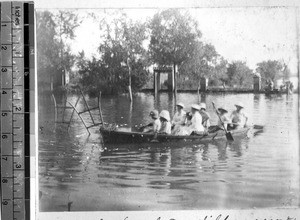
x=125, y=137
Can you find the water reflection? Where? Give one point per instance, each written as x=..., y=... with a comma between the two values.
x=77, y=168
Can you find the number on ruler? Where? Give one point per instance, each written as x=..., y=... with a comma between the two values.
x=4, y=180
x=18, y=166
x=4, y=136
x=3, y=70
x=4, y=114
x=3, y=47
x=18, y=108
x=4, y=158
x=4, y=202
x=3, y=92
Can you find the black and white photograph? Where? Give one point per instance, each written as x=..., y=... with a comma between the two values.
x=167, y=108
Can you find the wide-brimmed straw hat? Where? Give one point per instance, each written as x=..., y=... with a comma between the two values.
x=165, y=114
x=196, y=107
x=180, y=104
x=202, y=105
x=221, y=109
x=154, y=114
x=240, y=104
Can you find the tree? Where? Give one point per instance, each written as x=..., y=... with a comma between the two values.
x=173, y=38
x=121, y=49
x=270, y=70
x=205, y=62
x=239, y=74
x=47, y=47
x=54, y=30
x=218, y=74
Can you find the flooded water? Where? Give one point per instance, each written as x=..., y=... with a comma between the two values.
x=78, y=173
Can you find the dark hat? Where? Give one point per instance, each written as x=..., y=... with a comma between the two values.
x=222, y=110
x=154, y=113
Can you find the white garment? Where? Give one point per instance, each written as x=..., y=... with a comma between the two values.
x=225, y=120
x=196, y=122
x=205, y=119
x=156, y=125
x=165, y=128
x=239, y=118
x=179, y=118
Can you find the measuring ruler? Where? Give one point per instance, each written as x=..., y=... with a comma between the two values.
x=17, y=69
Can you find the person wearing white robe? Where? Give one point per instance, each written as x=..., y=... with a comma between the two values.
x=179, y=118
x=155, y=125
x=205, y=116
x=195, y=125
x=239, y=117
x=164, y=118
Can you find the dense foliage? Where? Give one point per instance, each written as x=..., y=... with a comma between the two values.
x=129, y=49
x=54, y=55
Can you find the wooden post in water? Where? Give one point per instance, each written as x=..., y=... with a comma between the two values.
x=79, y=117
x=129, y=84
x=203, y=84
x=156, y=82
x=87, y=106
x=198, y=92
x=100, y=111
x=55, y=107
x=256, y=84
x=73, y=112
x=65, y=98
x=174, y=78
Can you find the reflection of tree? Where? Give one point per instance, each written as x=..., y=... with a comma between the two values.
x=60, y=159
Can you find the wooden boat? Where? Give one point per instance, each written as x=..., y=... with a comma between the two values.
x=115, y=136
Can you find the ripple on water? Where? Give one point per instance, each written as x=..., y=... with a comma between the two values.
x=259, y=172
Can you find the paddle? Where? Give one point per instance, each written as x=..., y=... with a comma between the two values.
x=143, y=127
x=228, y=134
x=154, y=139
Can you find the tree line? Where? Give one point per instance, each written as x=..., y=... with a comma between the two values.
x=170, y=38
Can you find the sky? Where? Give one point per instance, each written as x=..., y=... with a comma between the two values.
x=250, y=34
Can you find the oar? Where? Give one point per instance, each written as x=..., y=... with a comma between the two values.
x=258, y=127
x=154, y=139
x=228, y=134
x=142, y=127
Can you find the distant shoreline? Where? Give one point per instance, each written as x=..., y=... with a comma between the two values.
x=215, y=90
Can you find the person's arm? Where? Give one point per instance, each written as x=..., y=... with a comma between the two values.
x=207, y=123
x=166, y=129
x=183, y=120
x=156, y=127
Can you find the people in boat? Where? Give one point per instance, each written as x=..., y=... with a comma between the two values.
x=195, y=126
x=188, y=118
x=205, y=116
x=179, y=117
x=196, y=122
x=238, y=117
x=165, y=119
x=155, y=125
x=223, y=121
